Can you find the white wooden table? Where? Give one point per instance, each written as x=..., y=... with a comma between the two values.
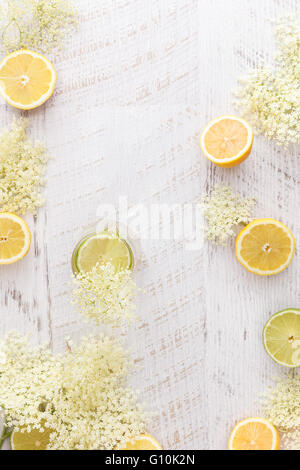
x=135, y=87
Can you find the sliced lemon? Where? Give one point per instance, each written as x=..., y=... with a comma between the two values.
x=254, y=434
x=103, y=248
x=15, y=238
x=281, y=337
x=143, y=442
x=227, y=141
x=27, y=79
x=265, y=247
x=34, y=440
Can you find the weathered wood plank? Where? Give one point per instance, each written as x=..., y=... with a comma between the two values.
x=136, y=85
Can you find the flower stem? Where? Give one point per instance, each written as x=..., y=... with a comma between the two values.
x=5, y=435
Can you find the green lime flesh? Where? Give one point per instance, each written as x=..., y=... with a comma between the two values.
x=103, y=248
x=281, y=337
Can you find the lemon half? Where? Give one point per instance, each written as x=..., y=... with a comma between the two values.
x=27, y=79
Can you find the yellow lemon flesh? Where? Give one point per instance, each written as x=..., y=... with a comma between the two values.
x=265, y=247
x=27, y=79
x=254, y=434
x=143, y=442
x=34, y=440
x=227, y=141
x=15, y=238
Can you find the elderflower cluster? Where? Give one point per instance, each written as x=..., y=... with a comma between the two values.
x=22, y=168
x=282, y=408
x=81, y=396
x=105, y=295
x=270, y=99
x=224, y=210
x=36, y=24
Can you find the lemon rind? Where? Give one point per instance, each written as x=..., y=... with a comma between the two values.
x=146, y=437
x=27, y=239
x=45, y=96
x=238, y=247
x=243, y=152
x=276, y=439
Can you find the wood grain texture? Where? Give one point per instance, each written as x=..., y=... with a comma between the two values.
x=136, y=85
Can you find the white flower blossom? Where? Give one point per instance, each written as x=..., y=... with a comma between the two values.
x=105, y=295
x=270, y=99
x=22, y=168
x=224, y=210
x=41, y=25
x=82, y=395
x=282, y=407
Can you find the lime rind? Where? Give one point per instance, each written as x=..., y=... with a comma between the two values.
x=83, y=242
x=294, y=355
x=121, y=253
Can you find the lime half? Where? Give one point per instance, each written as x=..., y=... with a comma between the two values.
x=34, y=440
x=281, y=337
x=103, y=248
